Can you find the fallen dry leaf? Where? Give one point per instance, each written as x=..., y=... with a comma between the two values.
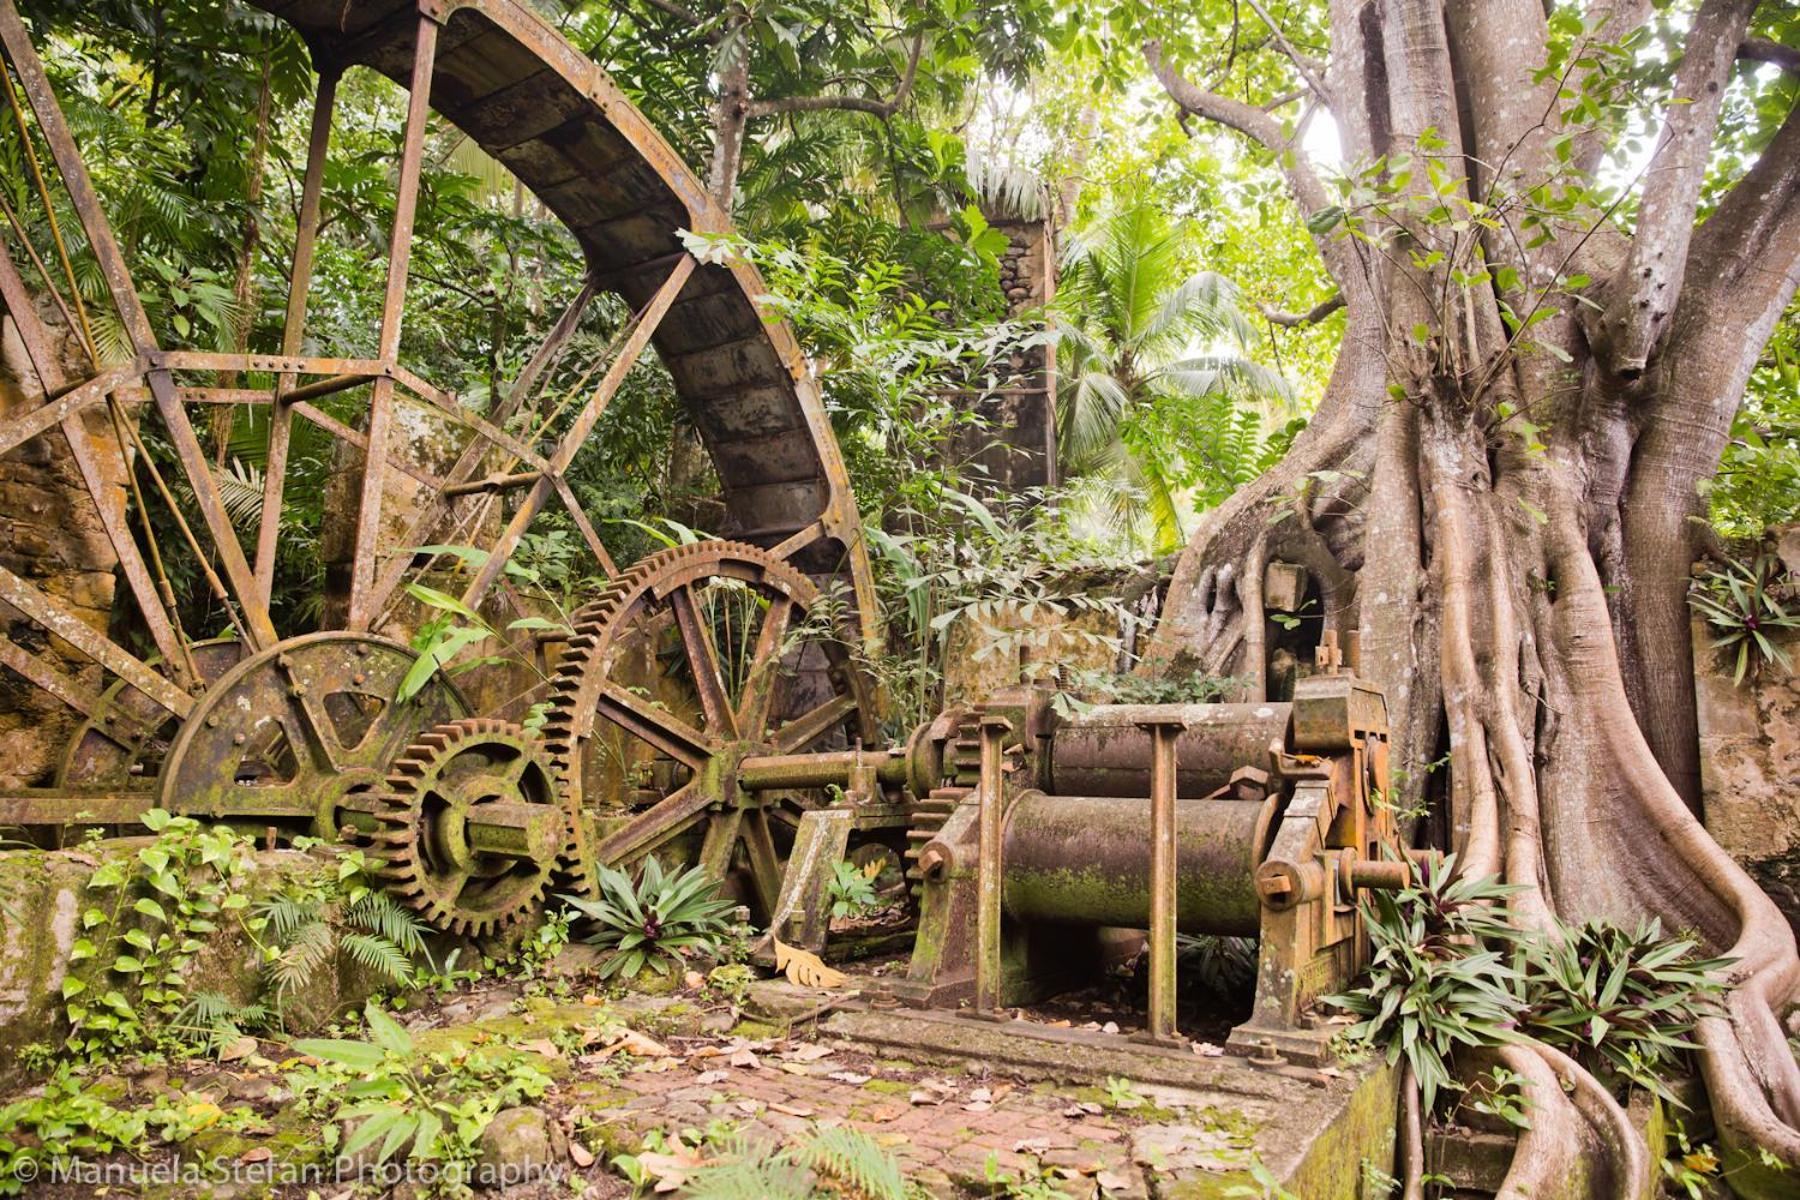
x=792, y=1110
x=977, y=1106
x=745, y=1058
x=711, y=1077
x=852, y=1077
x=693, y=981
x=256, y=1154
x=670, y=1170
x=810, y=1052
x=805, y=969
x=925, y=1096
x=580, y=1155
x=236, y=1048
x=1035, y=1145
x=543, y=1046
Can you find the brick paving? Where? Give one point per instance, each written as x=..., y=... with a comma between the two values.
x=945, y=1128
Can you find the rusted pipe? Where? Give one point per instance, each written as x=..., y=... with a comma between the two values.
x=1106, y=751
x=992, y=802
x=1081, y=859
x=1163, y=732
x=774, y=771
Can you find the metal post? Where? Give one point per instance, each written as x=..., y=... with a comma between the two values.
x=992, y=800
x=366, y=555
x=1161, y=1028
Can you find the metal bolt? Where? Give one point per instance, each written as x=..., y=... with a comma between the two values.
x=1266, y=1055
x=359, y=677
x=238, y=739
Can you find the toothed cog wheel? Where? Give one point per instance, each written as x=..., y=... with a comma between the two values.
x=474, y=829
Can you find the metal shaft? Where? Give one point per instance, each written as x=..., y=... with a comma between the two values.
x=1163, y=733
x=988, y=889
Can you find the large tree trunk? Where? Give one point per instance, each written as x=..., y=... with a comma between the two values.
x=1516, y=558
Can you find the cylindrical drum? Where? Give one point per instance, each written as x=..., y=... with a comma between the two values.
x=1087, y=859
x=1106, y=751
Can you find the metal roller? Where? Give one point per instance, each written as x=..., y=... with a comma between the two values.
x=1106, y=750
x=1082, y=858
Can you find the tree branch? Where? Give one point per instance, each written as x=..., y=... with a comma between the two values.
x=1646, y=289
x=1755, y=230
x=1300, y=61
x=883, y=109
x=1313, y=315
x=1266, y=131
x=1766, y=51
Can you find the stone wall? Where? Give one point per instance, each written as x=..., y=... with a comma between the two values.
x=51, y=535
x=1750, y=764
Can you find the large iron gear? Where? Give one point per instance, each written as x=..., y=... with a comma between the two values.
x=293, y=733
x=472, y=828
x=790, y=695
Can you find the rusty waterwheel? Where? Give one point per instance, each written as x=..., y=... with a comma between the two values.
x=302, y=729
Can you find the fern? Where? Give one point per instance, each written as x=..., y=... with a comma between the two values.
x=375, y=953
x=310, y=948
x=854, y=1159
x=287, y=915
x=380, y=914
x=750, y=1177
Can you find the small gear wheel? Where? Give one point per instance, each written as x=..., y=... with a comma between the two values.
x=474, y=828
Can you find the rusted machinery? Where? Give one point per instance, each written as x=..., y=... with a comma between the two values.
x=307, y=731
x=709, y=703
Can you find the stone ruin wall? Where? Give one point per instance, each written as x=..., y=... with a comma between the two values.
x=50, y=535
x=1750, y=757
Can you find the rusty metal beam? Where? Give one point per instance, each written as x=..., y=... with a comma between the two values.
x=571, y=443
x=1161, y=1026
x=74, y=806
x=366, y=543
x=32, y=333
x=27, y=425
x=338, y=429
x=70, y=691
x=105, y=249
x=54, y=618
x=991, y=801
x=281, y=417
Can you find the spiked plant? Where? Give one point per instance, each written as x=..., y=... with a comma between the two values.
x=655, y=920
x=1620, y=999
x=1739, y=605
x=1435, y=983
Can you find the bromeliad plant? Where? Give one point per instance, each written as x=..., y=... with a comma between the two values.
x=1620, y=1000
x=655, y=921
x=1436, y=980
x=1738, y=603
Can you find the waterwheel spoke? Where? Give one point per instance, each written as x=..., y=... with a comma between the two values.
x=645, y=720
x=765, y=867
x=803, y=731
x=703, y=663
x=650, y=829
x=760, y=680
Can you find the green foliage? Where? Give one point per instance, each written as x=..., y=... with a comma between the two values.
x=1439, y=977
x=656, y=921
x=1739, y=605
x=340, y=911
x=1221, y=966
x=851, y=889
x=1154, y=375
x=69, y=1121
x=141, y=928
x=391, y=1101
x=1620, y=1001
x=1450, y=971
x=719, y=1163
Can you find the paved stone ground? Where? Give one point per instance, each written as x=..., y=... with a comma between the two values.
x=947, y=1129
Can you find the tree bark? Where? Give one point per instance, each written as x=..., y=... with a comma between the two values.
x=1516, y=555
